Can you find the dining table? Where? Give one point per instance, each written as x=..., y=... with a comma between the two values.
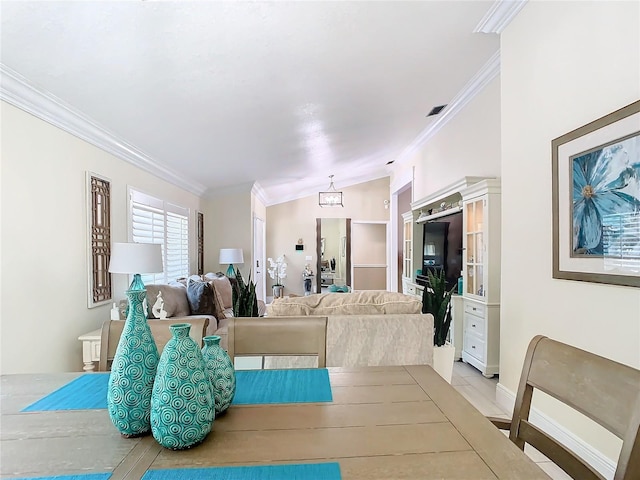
x=386, y=422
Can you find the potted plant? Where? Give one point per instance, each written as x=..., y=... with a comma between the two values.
x=436, y=300
x=277, y=271
x=245, y=302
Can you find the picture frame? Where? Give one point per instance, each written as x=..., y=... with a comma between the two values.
x=596, y=200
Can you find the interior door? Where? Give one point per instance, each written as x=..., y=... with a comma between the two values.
x=369, y=256
x=258, y=258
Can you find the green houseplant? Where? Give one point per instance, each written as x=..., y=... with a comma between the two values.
x=245, y=302
x=436, y=300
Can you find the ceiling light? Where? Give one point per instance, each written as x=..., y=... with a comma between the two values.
x=330, y=198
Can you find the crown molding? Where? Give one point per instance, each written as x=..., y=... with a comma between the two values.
x=259, y=193
x=19, y=92
x=485, y=75
x=499, y=16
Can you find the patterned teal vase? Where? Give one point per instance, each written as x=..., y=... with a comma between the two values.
x=132, y=372
x=221, y=373
x=182, y=408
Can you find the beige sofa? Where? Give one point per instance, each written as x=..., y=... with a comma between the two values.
x=367, y=328
x=215, y=304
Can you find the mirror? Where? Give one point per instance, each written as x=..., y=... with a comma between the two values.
x=333, y=252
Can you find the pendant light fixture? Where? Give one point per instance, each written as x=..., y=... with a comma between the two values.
x=330, y=198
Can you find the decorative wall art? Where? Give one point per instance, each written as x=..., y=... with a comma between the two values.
x=98, y=239
x=596, y=200
x=200, y=222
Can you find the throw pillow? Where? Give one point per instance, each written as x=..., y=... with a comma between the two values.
x=175, y=299
x=201, y=298
x=223, y=290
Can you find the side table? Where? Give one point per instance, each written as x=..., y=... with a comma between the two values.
x=90, y=349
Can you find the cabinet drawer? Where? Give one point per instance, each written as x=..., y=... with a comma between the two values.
x=410, y=289
x=474, y=324
x=474, y=346
x=474, y=309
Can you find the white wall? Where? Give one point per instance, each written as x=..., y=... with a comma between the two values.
x=467, y=145
x=44, y=235
x=564, y=64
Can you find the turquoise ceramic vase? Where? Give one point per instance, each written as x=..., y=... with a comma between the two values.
x=222, y=376
x=133, y=371
x=182, y=408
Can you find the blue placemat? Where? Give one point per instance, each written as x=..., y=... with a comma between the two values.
x=89, y=391
x=306, y=471
x=81, y=476
x=282, y=386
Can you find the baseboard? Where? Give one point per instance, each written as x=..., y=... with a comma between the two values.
x=506, y=399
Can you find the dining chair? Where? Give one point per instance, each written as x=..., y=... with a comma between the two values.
x=605, y=391
x=278, y=336
x=112, y=329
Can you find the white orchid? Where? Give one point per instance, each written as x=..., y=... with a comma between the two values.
x=277, y=270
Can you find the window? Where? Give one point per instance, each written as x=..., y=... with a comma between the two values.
x=156, y=221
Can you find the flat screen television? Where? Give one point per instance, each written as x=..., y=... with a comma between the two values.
x=442, y=247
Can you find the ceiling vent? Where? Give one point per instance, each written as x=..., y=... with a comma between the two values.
x=436, y=110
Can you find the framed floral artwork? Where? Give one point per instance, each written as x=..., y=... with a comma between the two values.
x=596, y=200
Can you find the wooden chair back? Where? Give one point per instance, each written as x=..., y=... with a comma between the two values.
x=603, y=390
x=266, y=336
x=112, y=330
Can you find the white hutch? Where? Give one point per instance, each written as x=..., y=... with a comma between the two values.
x=475, y=329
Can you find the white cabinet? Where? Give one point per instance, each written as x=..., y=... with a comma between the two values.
x=481, y=273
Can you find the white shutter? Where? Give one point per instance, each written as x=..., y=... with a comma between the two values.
x=155, y=221
x=177, y=246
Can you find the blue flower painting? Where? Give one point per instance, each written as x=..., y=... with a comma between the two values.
x=605, y=181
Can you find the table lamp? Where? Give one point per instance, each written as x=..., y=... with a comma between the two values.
x=231, y=256
x=136, y=258
x=134, y=364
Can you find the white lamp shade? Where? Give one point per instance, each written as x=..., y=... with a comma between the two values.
x=231, y=255
x=136, y=258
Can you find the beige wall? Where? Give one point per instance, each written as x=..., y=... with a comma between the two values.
x=44, y=235
x=287, y=222
x=564, y=64
x=228, y=224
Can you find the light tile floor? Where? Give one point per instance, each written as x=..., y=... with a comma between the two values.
x=481, y=393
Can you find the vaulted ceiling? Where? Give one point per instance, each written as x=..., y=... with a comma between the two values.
x=216, y=95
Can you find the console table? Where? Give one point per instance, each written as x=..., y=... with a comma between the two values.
x=90, y=349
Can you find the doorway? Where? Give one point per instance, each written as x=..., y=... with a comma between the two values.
x=370, y=255
x=259, y=240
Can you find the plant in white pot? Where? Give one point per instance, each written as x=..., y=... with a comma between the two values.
x=436, y=300
x=277, y=271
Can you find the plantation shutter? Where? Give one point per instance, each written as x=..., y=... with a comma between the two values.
x=177, y=243
x=159, y=222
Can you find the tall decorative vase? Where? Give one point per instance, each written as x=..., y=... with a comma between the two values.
x=182, y=408
x=133, y=371
x=222, y=376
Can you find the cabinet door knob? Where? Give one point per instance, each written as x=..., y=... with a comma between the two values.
x=473, y=346
x=473, y=325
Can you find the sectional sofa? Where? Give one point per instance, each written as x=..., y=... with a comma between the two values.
x=366, y=328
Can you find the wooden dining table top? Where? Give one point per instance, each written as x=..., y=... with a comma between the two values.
x=401, y=422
